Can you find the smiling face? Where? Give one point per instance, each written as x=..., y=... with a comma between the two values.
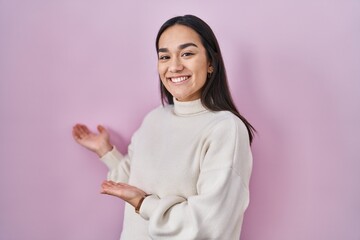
x=183, y=65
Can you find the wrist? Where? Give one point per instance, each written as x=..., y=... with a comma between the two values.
x=138, y=205
x=107, y=147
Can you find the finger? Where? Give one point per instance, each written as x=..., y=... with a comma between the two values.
x=101, y=129
x=84, y=130
x=79, y=126
x=122, y=185
x=112, y=185
x=111, y=190
x=109, y=185
x=105, y=191
x=76, y=136
x=111, y=182
x=76, y=133
x=76, y=128
x=105, y=184
x=79, y=129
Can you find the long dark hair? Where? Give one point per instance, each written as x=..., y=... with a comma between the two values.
x=215, y=94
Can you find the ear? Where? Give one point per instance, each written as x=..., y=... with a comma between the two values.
x=210, y=69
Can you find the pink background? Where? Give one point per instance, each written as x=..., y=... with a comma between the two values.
x=294, y=71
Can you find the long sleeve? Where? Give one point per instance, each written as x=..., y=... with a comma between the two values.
x=216, y=212
x=118, y=165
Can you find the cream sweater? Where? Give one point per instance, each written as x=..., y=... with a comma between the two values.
x=196, y=164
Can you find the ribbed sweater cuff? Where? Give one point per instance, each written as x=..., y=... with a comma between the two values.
x=111, y=158
x=153, y=203
x=148, y=206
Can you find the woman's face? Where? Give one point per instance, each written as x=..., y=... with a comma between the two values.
x=183, y=65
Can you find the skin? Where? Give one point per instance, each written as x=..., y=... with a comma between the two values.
x=97, y=143
x=181, y=56
x=100, y=144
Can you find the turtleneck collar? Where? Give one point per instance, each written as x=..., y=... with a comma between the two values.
x=188, y=108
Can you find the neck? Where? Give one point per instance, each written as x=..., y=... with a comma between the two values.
x=188, y=108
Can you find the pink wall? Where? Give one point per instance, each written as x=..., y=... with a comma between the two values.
x=294, y=72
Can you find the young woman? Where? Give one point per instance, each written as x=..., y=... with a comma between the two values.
x=188, y=166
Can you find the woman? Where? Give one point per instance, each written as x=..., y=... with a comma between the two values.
x=188, y=166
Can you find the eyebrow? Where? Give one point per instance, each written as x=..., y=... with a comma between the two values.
x=182, y=46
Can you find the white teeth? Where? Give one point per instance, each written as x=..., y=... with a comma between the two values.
x=178, y=79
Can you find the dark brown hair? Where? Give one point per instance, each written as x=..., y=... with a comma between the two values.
x=215, y=94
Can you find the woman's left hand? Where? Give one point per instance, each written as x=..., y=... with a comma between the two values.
x=126, y=192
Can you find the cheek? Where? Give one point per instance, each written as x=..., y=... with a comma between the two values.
x=202, y=72
x=161, y=70
x=202, y=65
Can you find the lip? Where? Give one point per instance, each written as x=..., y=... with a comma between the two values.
x=178, y=79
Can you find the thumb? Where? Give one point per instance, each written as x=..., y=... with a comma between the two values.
x=101, y=129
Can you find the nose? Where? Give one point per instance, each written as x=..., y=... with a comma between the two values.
x=175, y=65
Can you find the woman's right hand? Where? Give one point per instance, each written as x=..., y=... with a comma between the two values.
x=95, y=142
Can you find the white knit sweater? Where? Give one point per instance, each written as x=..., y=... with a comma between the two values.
x=196, y=164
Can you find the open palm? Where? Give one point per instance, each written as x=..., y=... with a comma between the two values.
x=126, y=192
x=96, y=142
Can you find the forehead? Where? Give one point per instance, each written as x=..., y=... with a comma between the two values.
x=177, y=35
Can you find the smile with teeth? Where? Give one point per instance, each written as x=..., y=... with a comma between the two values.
x=178, y=79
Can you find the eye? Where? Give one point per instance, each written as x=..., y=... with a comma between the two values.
x=164, y=57
x=187, y=54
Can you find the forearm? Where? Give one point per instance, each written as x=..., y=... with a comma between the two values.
x=118, y=165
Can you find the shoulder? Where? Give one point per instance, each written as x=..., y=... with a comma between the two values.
x=227, y=143
x=227, y=121
x=228, y=127
x=157, y=112
x=151, y=119
x=155, y=117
